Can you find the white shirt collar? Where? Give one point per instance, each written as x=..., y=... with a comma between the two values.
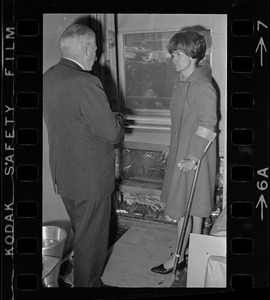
x=75, y=62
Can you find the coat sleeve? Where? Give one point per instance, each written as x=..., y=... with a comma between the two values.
x=95, y=107
x=206, y=106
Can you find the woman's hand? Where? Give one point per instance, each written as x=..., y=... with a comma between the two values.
x=186, y=165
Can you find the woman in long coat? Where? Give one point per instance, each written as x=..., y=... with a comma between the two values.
x=193, y=119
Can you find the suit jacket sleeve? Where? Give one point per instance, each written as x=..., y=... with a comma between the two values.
x=205, y=104
x=95, y=107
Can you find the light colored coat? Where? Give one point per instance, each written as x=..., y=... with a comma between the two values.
x=194, y=117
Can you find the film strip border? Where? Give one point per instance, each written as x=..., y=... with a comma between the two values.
x=247, y=151
x=21, y=156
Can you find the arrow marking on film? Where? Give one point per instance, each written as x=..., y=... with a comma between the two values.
x=262, y=203
x=262, y=47
x=260, y=23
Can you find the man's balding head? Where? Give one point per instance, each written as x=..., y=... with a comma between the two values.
x=78, y=42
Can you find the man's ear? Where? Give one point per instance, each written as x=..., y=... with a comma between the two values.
x=87, y=49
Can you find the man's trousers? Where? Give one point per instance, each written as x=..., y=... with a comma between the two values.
x=90, y=221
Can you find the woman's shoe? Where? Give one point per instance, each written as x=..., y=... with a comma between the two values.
x=162, y=270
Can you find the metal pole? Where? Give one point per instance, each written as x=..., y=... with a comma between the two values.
x=187, y=216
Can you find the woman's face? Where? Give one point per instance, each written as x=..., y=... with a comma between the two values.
x=181, y=61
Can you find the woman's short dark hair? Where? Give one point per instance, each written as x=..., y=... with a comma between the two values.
x=189, y=42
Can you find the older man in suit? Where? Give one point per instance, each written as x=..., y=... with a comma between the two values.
x=82, y=131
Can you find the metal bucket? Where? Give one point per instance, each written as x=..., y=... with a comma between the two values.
x=53, y=241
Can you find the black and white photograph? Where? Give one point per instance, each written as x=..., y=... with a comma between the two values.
x=134, y=149
x=134, y=190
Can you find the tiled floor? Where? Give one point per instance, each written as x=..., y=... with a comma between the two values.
x=133, y=256
x=135, y=247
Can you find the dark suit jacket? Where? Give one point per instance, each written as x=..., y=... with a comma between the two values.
x=82, y=131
